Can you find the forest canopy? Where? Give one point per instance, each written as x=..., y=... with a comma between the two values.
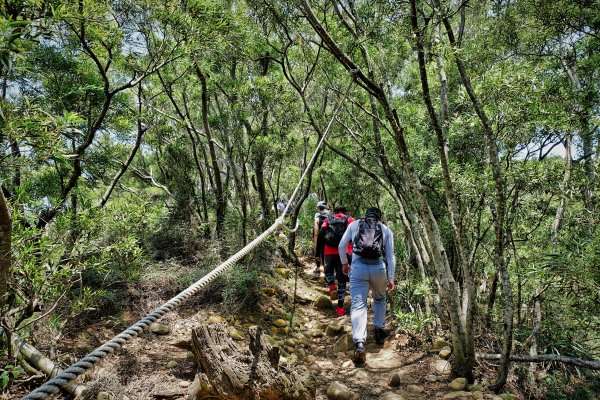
x=138, y=133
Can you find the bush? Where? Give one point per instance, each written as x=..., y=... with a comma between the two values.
x=241, y=287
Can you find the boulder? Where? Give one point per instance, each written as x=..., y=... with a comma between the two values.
x=283, y=272
x=439, y=344
x=234, y=334
x=475, y=388
x=323, y=303
x=394, y=381
x=290, y=342
x=280, y=323
x=160, y=329
x=391, y=396
x=343, y=344
x=442, y=367
x=269, y=291
x=458, y=384
x=334, y=329
x=458, y=395
x=337, y=391
x=269, y=338
x=215, y=319
x=445, y=353
x=414, y=389
x=431, y=378
x=172, y=364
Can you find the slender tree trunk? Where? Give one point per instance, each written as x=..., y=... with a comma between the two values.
x=585, y=133
x=412, y=184
x=138, y=141
x=259, y=159
x=499, y=227
x=219, y=194
x=194, y=140
x=15, y=152
x=5, y=247
x=468, y=289
x=492, y=299
x=537, y=326
x=560, y=210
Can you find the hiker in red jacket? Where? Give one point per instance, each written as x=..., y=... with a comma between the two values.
x=331, y=232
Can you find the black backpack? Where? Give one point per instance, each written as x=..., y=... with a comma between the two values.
x=335, y=230
x=322, y=218
x=368, y=242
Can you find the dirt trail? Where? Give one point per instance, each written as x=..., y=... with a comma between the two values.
x=154, y=365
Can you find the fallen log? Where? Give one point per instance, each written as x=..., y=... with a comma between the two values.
x=42, y=363
x=239, y=373
x=578, y=362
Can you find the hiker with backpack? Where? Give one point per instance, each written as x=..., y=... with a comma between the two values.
x=319, y=245
x=331, y=232
x=371, y=242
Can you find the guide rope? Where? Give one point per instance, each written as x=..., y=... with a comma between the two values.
x=53, y=385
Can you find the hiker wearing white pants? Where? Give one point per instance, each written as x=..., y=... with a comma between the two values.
x=371, y=242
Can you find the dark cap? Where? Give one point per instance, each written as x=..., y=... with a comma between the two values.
x=373, y=212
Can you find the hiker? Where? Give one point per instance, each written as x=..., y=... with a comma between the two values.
x=371, y=241
x=281, y=204
x=332, y=231
x=319, y=245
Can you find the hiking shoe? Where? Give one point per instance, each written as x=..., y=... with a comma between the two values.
x=360, y=354
x=317, y=271
x=332, y=287
x=380, y=335
x=340, y=311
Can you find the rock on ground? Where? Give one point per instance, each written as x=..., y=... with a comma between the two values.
x=442, y=367
x=334, y=329
x=215, y=319
x=391, y=396
x=395, y=381
x=458, y=384
x=160, y=329
x=337, y=391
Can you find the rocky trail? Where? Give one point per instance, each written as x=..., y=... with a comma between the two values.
x=159, y=364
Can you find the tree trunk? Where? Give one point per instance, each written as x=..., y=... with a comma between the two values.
x=124, y=166
x=499, y=227
x=236, y=373
x=537, y=326
x=219, y=193
x=585, y=133
x=563, y=189
x=5, y=247
x=578, y=362
x=194, y=140
x=411, y=185
x=468, y=289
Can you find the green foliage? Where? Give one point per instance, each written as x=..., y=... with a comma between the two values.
x=407, y=304
x=80, y=79
x=8, y=374
x=560, y=387
x=241, y=288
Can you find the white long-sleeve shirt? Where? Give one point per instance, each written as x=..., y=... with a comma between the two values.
x=388, y=247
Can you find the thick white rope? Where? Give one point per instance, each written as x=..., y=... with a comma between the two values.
x=53, y=385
